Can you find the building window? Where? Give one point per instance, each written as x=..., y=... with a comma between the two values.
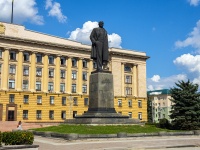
x=62, y=61
x=84, y=63
x=63, y=100
x=94, y=65
x=140, y=115
x=62, y=87
x=51, y=60
x=51, y=100
x=50, y=86
x=128, y=79
x=128, y=91
x=139, y=103
x=39, y=99
x=130, y=114
x=39, y=58
x=51, y=114
x=25, y=84
x=73, y=88
x=127, y=68
x=75, y=101
x=74, y=75
x=1, y=52
x=74, y=114
x=63, y=114
x=129, y=103
x=163, y=115
x=84, y=88
x=62, y=74
x=39, y=72
x=119, y=103
x=84, y=75
x=74, y=62
x=26, y=56
x=26, y=98
x=12, y=55
x=11, y=98
x=11, y=84
x=12, y=69
x=86, y=101
x=51, y=73
x=0, y=67
x=38, y=114
x=38, y=86
x=26, y=70
x=25, y=114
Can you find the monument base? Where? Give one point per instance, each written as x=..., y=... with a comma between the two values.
x=107, y=120
x=101, y=105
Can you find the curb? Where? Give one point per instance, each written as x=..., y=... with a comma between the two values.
x=75, y=136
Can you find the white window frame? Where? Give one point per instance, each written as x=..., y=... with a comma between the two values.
x=11, y=84
x=51, y=100
x=39, y=99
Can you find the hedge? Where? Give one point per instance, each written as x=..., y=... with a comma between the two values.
x=17, y=138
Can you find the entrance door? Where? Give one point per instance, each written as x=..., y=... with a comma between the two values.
x=11, y=114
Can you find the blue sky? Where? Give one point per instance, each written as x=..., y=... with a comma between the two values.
x=167, y=30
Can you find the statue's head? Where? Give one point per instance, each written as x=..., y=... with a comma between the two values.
x=101, y=23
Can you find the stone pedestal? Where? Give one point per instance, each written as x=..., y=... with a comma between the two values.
x=101, y=103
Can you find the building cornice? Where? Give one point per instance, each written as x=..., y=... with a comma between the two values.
x=112, y=52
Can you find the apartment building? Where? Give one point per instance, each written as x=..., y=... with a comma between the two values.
x=160, y=103
x=44, y=78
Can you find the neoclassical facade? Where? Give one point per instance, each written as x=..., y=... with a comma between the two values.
x=44, y=78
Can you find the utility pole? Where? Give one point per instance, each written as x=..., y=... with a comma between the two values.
x=12, y=12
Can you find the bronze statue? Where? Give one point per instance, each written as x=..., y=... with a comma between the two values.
x=99, y=39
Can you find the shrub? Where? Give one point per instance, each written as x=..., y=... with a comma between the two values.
x=163, y=123
x=17, y=138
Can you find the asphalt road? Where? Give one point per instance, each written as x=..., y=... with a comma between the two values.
x=139, y=143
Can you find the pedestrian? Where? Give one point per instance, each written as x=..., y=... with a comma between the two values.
x=19, y=126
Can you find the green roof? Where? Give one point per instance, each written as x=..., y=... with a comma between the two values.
x=158, y=92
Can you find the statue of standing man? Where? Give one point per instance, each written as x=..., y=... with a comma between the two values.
x=99, y=53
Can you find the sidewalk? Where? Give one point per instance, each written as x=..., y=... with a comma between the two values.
x=133, y=143
x=10, y=125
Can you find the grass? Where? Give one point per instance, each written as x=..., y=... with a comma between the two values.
x=100, y=129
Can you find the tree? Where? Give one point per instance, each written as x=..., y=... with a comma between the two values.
x=149, y=110
x=185, y=113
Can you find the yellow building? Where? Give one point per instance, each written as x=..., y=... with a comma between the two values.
x=44, y=78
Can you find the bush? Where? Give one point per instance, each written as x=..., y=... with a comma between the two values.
x=163, y=123
x=17, y=138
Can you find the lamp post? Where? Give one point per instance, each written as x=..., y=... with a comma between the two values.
x=12, y=12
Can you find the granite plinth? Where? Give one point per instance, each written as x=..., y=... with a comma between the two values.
x=101, y=103
x=102, y=121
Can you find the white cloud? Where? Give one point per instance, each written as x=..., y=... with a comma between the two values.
x=82, y=35
x=114, y=40
x=192, y=40
x=192, y=63
x=55, y=10
x=194, y=2
x=24, y=10
x=165, y=82
x=155, y=78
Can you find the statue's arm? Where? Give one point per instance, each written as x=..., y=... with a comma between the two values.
x=92, y=35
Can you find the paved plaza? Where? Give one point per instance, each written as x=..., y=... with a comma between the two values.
x=139, y=143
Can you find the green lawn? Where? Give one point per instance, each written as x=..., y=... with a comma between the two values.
x=100, y=129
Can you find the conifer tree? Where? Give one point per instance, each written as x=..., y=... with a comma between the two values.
x=185, y=113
